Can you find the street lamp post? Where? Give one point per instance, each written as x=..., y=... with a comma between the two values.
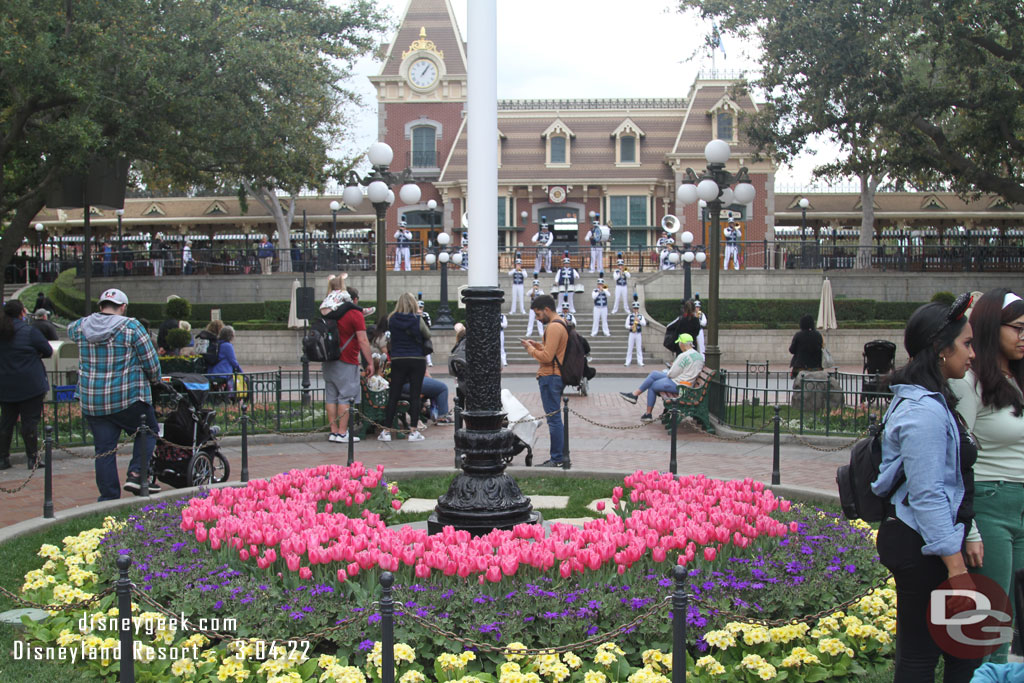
x=444, y=320
x=703, y=217
x=335, y=207
x=307, y=399
x=713, y=186
x=39, y=244
x=378, y=189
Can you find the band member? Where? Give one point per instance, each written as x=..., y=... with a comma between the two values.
x=465, y=250
x=543, y=239
x=621, y=283
x=504, y=324
x=518, y=286
x=404, y=238
x=703, y=323
x=665, y=243
x=595, y=237
x=732, y=245
x=534, y=292
x=566, y=281
x=568, y=317
x=426, y=318
x=635, y=323
x=600, y=297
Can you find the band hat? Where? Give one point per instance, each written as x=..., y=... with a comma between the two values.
x=536, y=282
x=1010, y=298
x=684, y=339
x=600, y=280
x=636, y=304
x=115, y=296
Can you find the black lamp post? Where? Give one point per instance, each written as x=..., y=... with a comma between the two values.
x=120, y=234
x=444, y=320
x=335, y=207
x=703, y=217
x=39, y=245
x=307, y=400
x=713, y=186
x=378, y=189
x=687, y=256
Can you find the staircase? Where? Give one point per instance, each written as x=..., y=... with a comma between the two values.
x=603, y=350
x=10, y=289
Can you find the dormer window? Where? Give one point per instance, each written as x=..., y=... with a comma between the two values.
x=724, y=116
x=627, y=143
x=558, y=138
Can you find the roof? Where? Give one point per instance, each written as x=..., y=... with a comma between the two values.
x=438, y=21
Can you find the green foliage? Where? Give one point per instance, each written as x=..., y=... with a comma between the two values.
x=785, y=313
x=67, y=298
x=178, y=338
x=928, y=93
x=178, y=308
x=945, y=298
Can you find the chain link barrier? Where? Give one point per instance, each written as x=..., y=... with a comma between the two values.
x=67, y=607
x=823, y=449
x=696, y=429
x=31, y=474
x=621, y=428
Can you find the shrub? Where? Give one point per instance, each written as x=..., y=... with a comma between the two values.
x=178, y=338
x=784, y=313
x=945, y=298
x=178, y=308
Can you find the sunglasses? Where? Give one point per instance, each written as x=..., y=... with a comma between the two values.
x=956, y=312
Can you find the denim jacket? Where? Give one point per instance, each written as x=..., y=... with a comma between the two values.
x=922, y=440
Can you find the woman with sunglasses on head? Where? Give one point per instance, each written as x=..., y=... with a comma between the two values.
x=992, y=404
x=926, y=472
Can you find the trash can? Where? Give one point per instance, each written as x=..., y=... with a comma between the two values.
x=62, y=371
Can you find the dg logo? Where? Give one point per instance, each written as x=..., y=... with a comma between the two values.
x=969, y=616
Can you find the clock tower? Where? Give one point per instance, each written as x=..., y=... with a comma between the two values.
x=421, y=97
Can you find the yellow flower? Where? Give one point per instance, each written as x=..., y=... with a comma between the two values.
x=604, y=658
x=289, y=677
x=326, y=661
x=834, y=647
x=183, y=668
x=412, y=676
x=758, y=665
x=711, y=665
x=754, y=635
x=723, y=640
x=572, y=660
x=404, y=653
x=594, y=677
x=798, y=656
x=510, y=651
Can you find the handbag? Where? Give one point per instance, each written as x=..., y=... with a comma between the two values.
x=241, y=389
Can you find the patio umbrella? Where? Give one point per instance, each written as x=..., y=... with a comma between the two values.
x=826, y=317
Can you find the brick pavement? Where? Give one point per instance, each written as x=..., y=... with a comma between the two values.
x=591, y=447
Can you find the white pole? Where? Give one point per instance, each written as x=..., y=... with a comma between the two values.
x=482, y=140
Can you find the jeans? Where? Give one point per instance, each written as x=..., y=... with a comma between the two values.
x=106, y=430
x=655, y=383
x=437, y=392
x=999, y=514
x=405, y=371
x=30, y=410
x=551, y=398
x=916, y=575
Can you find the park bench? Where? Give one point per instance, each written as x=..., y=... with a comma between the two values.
x=690, y=401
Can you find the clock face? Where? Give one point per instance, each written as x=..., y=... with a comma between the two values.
x=423, y=73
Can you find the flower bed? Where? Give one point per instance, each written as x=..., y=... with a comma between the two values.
x=302, y=552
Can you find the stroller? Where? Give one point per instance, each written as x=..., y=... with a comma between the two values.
x=879, y=360
x=187, y=453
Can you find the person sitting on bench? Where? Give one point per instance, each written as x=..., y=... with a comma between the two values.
x=685, y=369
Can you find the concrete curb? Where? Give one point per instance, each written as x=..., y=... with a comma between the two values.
x=30, y=526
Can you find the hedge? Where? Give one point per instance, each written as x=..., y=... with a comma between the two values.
x=784, y=313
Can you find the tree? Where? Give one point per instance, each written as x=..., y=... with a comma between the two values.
x=194, y=92
x=927, y=92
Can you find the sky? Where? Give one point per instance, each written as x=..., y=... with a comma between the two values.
x=590, y=49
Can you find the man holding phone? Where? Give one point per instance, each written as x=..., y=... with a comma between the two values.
x=549, y=354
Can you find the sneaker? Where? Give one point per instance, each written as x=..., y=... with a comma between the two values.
x=625, y=365
x=343, y=438
x=416, y=436
x=628, y=396
x=640, y=364
x=132, y=484
x=647, y=417
x=551, y=463
x=334, y=437
x=384, y=436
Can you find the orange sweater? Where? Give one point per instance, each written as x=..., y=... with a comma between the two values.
x=553, y=346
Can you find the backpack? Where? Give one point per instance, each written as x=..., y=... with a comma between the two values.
x=854, y=480
x=209, y=349
x=322, y=342
x=573, y=366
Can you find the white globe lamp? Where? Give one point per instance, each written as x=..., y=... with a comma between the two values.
x=673, y=257
x=457, y=259
x=432, y=204
x=351, y=195
x=686, y=237
x=444, y=257
x=430, y=259
x=728, y=197
x=804, y=203
x=377, y=191
x=707, y=190
x=744, y=193
x=391, y=197
x=410, y=193
x=688, y=256
x=444, y=239
x=701, y=257
x=686, y=194
x=717, y=152
x=380, y=154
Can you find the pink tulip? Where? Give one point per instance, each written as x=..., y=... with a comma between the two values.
x=600, y=506
x=396, y=504
x=305, y=573
x=709, y=554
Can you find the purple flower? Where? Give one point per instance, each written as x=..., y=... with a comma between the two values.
x=218, y=604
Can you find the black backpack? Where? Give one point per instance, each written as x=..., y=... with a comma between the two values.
x=321, y=342
x=212, y=352
x=573, y=366
x=854, y=480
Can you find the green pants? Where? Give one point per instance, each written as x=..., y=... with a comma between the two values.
x=999, y=514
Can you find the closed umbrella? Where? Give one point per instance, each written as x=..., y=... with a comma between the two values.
x=826, y=318
x=294, y=323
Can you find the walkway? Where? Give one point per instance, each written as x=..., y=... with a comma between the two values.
x=591, y=447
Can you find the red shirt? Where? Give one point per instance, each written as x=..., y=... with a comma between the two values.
x=349, y=324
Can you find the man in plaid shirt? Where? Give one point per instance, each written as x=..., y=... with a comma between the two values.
x=117, y=363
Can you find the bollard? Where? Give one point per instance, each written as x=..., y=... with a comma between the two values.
x=48, y=474
x=872, y=424
x=352, y=412
x=277, y=419
x=776, y=479
x=306, y=399
x=679, y=625
x=144, y=473
x=673, y=425
x=124, y=619
x=245, y=442
x=566, y=460
x=458, y=427
x=387, y=628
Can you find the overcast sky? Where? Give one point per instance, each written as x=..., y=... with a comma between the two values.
x=590, y=49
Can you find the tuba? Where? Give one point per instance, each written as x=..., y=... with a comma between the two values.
x=465, y=220
x=670, y=224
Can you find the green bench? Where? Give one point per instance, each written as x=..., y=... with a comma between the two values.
x=690, y=401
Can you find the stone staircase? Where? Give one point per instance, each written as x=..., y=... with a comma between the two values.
x=603, y=350
x=10, y=289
